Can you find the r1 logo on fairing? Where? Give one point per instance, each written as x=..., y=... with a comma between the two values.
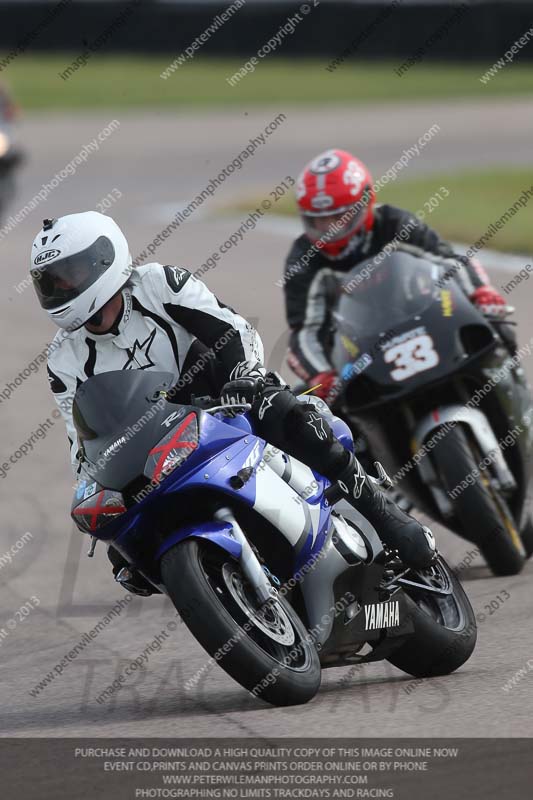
x=382, y=615
x=172, y=418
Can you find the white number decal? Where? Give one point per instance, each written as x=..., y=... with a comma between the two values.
x=414, y=355
x=354, y=177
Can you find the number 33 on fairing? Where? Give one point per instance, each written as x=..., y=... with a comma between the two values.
x=410, y=357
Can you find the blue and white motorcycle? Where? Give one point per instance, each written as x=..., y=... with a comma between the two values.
x=270, y=579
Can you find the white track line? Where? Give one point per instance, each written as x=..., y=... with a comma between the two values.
x=492, y=259
x=289, y=228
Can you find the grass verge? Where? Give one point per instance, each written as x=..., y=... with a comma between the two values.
x=476, y=199
x=134, y=82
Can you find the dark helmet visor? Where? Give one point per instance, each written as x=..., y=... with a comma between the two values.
x=61, y=281
x=335, y=225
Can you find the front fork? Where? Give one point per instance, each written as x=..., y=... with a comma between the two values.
x=249, y=562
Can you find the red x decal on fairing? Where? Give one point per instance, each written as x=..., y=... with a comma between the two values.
x=97, y=510
x=174, y=443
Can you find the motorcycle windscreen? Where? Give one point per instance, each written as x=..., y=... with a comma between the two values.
x=401, y=324
x=118, y=417
x=376, y=297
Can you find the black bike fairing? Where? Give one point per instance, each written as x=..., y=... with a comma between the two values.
x=403, y=328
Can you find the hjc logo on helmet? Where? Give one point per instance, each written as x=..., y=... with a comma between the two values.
x=48, y=255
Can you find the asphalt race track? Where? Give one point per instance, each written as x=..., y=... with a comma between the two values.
x=158, y=162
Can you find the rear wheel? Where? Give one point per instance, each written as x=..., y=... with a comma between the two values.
x=482, y=513
x=267, y=650
x=444, y=622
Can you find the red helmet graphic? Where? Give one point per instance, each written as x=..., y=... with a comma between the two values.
x=336, y=200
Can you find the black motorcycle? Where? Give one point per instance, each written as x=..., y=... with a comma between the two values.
x=441, y=400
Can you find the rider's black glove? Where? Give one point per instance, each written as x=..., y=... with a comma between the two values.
x=241, y=390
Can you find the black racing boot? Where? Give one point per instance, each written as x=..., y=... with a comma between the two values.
x=398, y=531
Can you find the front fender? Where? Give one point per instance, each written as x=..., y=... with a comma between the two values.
x=442, y=417
x=481, y=430
x=217, y=532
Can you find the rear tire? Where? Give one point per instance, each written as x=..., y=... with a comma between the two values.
x=203, y=582
x=483, y=516
x=444, y=637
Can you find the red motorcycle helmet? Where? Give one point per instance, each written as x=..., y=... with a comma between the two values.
x=336, y=199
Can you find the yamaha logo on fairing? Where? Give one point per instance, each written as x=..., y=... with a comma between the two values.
x=382, y=615
x=48, y=255
x=114, y=446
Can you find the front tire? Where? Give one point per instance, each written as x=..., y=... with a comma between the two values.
x=482, y=514
x=267, y=651
x=526, y=535
x=445, y=628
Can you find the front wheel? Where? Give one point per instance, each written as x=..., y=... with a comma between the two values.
x=526, y=535
x=481, y=511
x=445, y=629
x=267, y=650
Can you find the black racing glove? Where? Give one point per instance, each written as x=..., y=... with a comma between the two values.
x=241, y=390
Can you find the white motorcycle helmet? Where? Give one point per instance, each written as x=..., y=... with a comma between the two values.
x=78, y=263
